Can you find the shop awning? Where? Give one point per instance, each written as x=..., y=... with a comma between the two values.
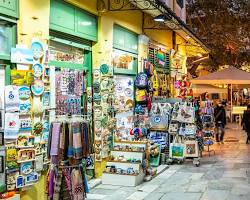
x=230, y=75
x=155, y=8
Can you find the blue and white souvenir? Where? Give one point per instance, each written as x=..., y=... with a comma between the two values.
x=37, y=49
x=38, y=70
x=24, y=92
x=38, y=87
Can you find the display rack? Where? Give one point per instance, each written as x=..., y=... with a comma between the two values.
x=125, y=164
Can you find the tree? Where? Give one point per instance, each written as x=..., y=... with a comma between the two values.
x=224, y=25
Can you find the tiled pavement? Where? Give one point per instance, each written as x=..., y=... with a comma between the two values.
x=223, y=176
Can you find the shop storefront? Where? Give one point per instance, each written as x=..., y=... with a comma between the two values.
x=8, y=16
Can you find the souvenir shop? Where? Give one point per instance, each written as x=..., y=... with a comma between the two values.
x=46, y=113
x=151, y=128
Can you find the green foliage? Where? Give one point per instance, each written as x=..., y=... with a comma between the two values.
x=224, y=25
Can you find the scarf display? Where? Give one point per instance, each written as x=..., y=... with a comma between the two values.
x=77, y=140
x=77, y=185
x=55, y=138
x=69, y=143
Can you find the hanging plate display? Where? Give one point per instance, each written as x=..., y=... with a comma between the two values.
x=38, y=51
x=38, y=87
x=38, y=70
x=104, y=69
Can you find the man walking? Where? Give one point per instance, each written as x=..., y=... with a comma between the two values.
x=246, y=123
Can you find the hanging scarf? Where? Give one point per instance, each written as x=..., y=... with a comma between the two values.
x=57, y=184
x=51, y=183
x=85, y=142
x=70, y=147
x=77, y=185
x=56, y=129
x=77, y=140
x=67, y=180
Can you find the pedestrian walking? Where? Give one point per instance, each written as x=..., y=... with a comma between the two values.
x=246, y=123
x=220, y=121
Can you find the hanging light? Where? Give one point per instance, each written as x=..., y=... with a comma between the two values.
x=162, y=18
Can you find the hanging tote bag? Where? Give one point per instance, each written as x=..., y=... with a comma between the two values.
x=186, y=113
x=191, y=149
x=176, y=150
x=158, y=120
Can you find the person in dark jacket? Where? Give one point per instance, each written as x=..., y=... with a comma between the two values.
x=220, y=121
x=246, y=123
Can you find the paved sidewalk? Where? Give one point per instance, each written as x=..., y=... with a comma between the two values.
x=223, y=176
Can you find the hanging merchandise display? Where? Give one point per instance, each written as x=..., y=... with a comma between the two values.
x=185, y=131
x=25, y=152
x=104, y=111
x=184, y=88
x=159, y=57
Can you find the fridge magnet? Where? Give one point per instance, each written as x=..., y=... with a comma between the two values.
x=26, y=168
x=25, y=141
x=37, y=49
x=22, y=77
x=25, y=106
x=38, y=128
x=19, y=181
x=11, y=157
x=26, y=155
x=25, y=124
x=24, y=92
x=39, y=163
x=11, y=180
x=38, y=87
x=38, y=70
x=31, y=178
x=46, y=99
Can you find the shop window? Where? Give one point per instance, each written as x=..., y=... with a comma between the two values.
x=65, y=53
x=125, y=51
x=124, y=62
x=5, y=41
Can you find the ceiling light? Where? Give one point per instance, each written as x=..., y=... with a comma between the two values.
x=188, y=37
x=199, y=55
x=162, y=18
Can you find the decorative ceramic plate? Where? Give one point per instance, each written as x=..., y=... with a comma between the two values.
x=38, y=87
x=38, y=51
x=38, y=70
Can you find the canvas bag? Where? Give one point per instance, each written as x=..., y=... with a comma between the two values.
x=191, y=149
x=176, y=149
x=158, y=118
x=186, y=113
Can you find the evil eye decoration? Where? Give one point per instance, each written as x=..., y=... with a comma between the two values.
x=157, y=120
x=119, y=87
x=128, y=92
